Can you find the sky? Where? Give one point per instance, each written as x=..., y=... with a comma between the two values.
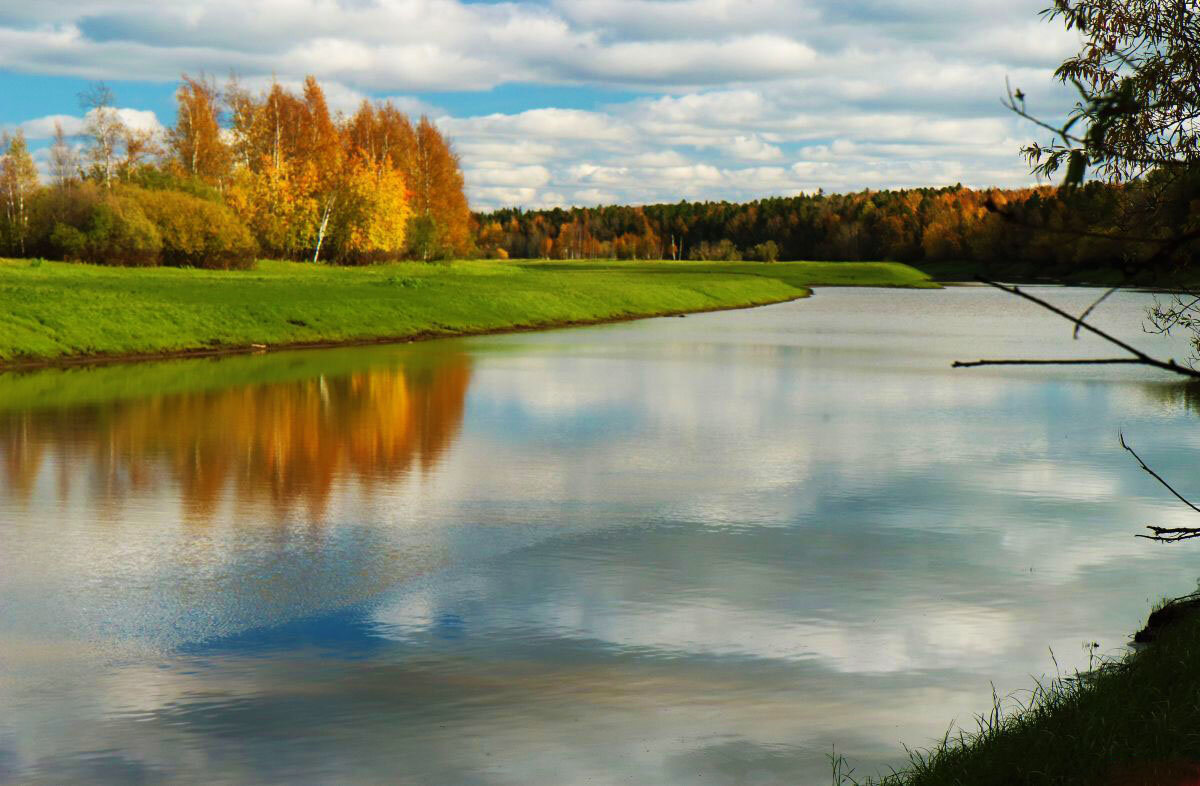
x=584, y=102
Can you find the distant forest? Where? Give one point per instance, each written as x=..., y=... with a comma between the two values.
x=1047, y=232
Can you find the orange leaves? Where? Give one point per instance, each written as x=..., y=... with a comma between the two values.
x=195, y=140
x=437, y=184
x=346, y=190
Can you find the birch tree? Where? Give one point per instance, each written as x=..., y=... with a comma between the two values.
x=195, y=141
x=104, y=126
x=18, y=180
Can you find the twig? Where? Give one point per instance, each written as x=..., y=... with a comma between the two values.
x=1088, y=311
x=1170, y=535
x=1164, y=534
x=1178, y=315
x=1156, y=476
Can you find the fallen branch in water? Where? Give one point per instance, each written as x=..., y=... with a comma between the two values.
x=1137, y=356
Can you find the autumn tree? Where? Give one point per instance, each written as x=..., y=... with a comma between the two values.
x=374, y=220
x=195, y=141
x=315, y=188
x=1138, y=74
x=441, y=216
x=272, y=190
x=385, y=136
x=18, y=180
x=320, y=150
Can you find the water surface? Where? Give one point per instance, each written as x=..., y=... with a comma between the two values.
x=710, y=547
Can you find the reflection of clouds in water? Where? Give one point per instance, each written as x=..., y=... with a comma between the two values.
x=711, y=545
x=549, y=720
x=680, y=591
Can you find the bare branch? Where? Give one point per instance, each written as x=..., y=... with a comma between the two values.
x=1155, y=475
x=1137, y=355
x=1088, y=311
x=1067, y=362
x=1164, y=534
x=1170, y=534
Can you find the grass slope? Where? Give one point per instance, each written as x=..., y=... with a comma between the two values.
x=54, y=311
x=1132, y=722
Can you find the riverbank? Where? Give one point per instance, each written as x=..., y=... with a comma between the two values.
x=57, y=313
x=1134, y=721
x=1025, y=273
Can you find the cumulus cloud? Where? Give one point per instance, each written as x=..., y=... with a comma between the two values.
x=729, y=99
x=736, y=145
x=43, y=128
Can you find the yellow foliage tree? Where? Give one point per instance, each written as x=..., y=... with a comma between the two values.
x=310, y=186
x=372, y=223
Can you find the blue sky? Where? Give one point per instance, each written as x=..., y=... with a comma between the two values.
x=564, y=102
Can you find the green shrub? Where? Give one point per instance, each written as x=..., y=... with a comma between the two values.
x=765, y=252
x=196, y=232
x=722, y=251
x=69, y=241
x=156, y=179
x=88, y=224
x=136, y=226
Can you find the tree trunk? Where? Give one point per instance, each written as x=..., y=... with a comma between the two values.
x=321, y=231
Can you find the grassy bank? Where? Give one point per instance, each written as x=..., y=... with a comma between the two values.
x=1132, y=722
x=54, y=311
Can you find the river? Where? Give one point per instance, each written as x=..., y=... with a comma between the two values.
x=707, y=549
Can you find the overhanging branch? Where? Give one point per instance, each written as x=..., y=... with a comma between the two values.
x=1136, y=355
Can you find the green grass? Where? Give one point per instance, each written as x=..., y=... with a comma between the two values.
x=1131, y=721
x=53, y=311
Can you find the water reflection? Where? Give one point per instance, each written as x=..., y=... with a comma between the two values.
x=704, y=548
x=280, y=445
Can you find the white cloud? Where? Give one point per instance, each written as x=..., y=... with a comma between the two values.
x=881, y=93
x=43, y=128
x=498, y=173
x=751, y=147
x=139, y=119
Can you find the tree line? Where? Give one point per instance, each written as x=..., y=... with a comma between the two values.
x=243, y=174
x=239, y=175
x=1051, y=232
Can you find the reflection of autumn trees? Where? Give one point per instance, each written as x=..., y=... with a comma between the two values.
x=283, y=444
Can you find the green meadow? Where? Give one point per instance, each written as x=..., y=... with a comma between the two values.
x=52, y=311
